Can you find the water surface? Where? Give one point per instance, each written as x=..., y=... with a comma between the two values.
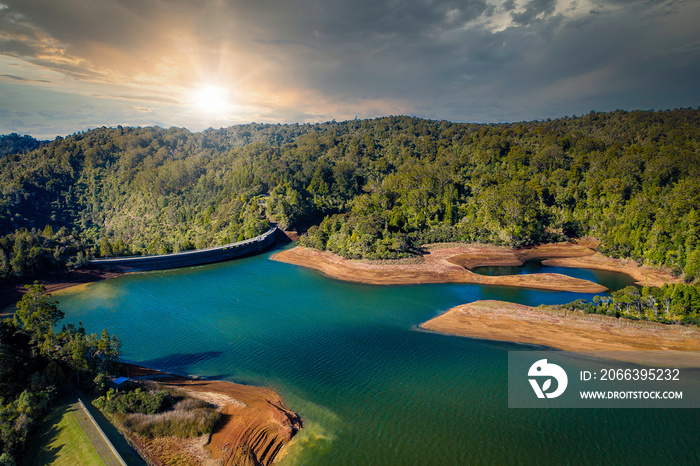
x=370, y=387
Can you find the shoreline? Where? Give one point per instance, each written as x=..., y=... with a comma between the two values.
x=453, y=263
x=10, y=294
x=58, y=281
x=255, y=425
x=503, y=321
x=450, y=264
x=564, y=330
x=643, y=275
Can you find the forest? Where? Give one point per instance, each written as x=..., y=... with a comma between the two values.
x=374, y=189
x=41, y=366
x=13, y=143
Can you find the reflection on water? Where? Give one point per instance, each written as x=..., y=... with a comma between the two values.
x=370, y=388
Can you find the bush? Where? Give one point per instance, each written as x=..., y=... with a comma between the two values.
x=691, y=320
x=188, y=418
x=136, y=401
x=147, y=413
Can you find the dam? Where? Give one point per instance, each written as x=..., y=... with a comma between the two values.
x=188, y=258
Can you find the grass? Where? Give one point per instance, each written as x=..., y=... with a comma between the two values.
x=61, y=441
x=188, y=418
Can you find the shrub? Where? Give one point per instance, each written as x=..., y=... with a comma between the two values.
x=159, y=413
x=136, y=401
x=182, y=421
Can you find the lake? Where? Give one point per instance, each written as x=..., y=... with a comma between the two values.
x=370, y=387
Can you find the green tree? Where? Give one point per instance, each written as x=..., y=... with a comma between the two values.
x=36, y=312
x=692, y=265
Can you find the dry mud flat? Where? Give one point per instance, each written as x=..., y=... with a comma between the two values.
x=496, y=320
x=643, y=275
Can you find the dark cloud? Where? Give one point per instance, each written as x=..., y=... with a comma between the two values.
x=5, y=113
x=474, y=60
x=533, y=10
x=78, y=23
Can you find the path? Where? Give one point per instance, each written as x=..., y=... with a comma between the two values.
x=104, y=449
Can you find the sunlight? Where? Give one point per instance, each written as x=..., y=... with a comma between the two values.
x=211, y=99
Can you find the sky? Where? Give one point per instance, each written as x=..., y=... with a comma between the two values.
x=71, y=65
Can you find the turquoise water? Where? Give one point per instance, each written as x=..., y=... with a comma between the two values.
x=370, y=387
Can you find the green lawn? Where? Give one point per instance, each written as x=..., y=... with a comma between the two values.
x=61, y=441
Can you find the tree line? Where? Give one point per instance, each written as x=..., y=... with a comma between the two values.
x=372, y=189
x=669, y=304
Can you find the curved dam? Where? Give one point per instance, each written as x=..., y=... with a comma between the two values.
x=188, y=258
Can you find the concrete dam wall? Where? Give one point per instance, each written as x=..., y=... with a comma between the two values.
x=188, y=258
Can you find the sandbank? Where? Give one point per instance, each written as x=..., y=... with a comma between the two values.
x=448, y=264
x=570, y=331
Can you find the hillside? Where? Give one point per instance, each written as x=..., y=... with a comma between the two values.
x=364, y=188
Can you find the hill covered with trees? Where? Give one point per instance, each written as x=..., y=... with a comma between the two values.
x=365, y=188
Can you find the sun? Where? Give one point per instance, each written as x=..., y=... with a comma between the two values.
x=211, y=99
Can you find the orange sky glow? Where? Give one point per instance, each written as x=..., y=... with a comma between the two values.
x=71, y=65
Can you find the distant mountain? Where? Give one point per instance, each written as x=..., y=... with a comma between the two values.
x=14, y=143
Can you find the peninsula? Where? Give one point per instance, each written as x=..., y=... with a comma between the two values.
x=453, y=263
x=498, y=320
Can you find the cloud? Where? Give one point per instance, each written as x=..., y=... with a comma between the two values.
x=313, y=60
x=26, y=80
x=141, y=98
x=534, y=9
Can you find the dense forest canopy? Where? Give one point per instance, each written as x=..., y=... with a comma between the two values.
x=364, y=188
